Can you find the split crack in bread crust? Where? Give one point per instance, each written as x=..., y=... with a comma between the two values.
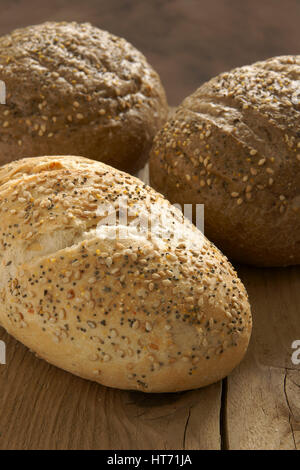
x=146, y=312
x=73, y=88
x=234, y=146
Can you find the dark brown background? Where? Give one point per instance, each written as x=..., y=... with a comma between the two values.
x=187, y=41
x=258, y=405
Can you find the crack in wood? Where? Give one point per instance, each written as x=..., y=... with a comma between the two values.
x=291, y=415
x=185, y=427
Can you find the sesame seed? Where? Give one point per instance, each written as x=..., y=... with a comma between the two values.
x=93, y=357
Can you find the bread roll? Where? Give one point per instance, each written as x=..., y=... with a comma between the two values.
x=161, y=311
x=72, y=88
x=234, y=145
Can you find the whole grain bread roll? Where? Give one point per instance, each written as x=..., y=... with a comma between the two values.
x=158, y=311
x=73, y=88
x=234, y=145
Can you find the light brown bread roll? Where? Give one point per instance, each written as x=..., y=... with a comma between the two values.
x=73, y=88
x=234, y=145
x=158, y=312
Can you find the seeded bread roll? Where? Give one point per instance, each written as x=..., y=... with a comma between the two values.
x=234, y=145
x=156, y=311
x=72, y=88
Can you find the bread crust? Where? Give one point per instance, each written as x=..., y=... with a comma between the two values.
x=234, y=146
x=145, y=313
x=73, y=88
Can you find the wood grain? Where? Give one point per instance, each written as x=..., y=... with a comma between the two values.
x=258, y=406
x=43, y=407
x=263, y=394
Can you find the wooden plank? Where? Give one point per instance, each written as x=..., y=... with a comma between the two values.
x=43, y=407
x=263, y=396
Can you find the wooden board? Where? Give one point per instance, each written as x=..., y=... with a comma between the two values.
x=256, y=407
x=43, y=407
x=263, y=393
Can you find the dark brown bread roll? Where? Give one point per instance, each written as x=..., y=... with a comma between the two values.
x=234, y=145
x=72, y=88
